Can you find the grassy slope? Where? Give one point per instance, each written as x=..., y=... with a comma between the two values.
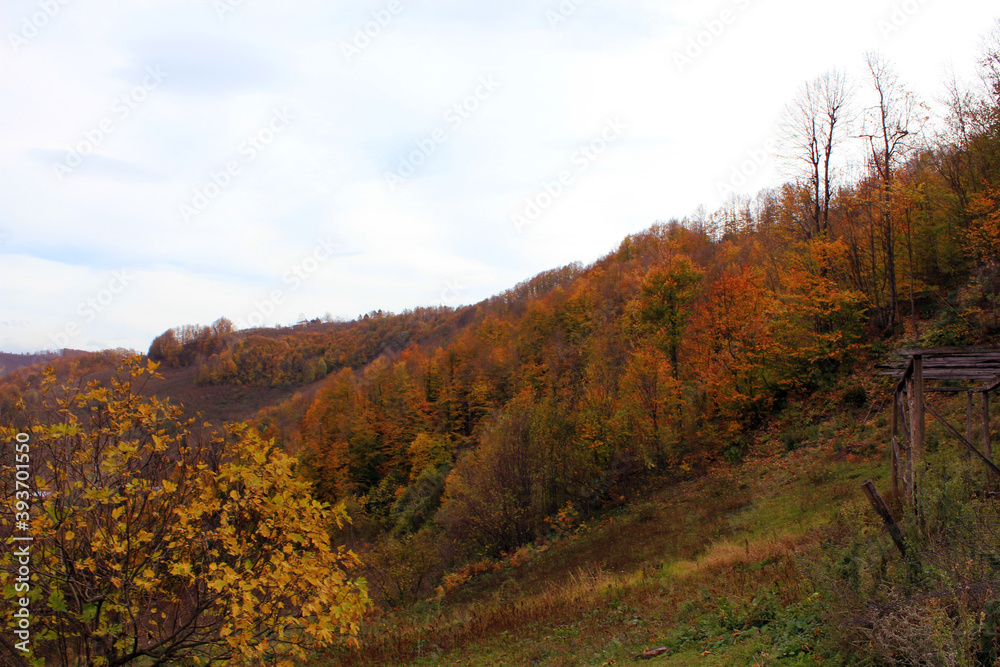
x=219, y=403
x=722, y=546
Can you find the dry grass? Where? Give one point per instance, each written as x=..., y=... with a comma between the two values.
x=572, y=577
x=732, y=555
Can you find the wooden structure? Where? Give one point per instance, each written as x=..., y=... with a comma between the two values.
x=969, y=370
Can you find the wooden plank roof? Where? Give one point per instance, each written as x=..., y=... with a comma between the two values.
x=948, y=363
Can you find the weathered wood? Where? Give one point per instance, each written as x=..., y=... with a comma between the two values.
x=947, y=390
x=897, y=465
x=948, y=351
x=956, y=374
x=976, y=369
x=947, y=364
x=981, y=355
x=906, y=375
x=907, y=406
x=883, y=511
x=904, y=415
x=965, y=442
x=894, y=443
x=967, y=360
x=917, y=421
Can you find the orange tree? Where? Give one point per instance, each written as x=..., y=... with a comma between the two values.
x=153, y=546
x=982, y=242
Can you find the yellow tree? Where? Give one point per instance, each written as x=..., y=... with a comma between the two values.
x=982, y=241
x=816, y=321
x=153, y=547
x=651, y=398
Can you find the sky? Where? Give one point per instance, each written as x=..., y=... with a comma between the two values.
x=169, y=162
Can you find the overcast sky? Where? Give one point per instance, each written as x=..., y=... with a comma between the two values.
x=165, y=162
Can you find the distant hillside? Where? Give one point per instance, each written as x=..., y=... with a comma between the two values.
x=10, y=362
x=214, y=404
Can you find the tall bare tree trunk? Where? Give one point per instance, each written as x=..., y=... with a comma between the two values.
x=813, y=128
x=887, y=131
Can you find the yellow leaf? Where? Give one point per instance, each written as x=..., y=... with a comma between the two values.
x=181, y=568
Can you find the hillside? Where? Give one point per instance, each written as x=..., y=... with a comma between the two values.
x=721, y=569
x=777, y=559
x=663, y=448
x=215, y=404
x=10, y=362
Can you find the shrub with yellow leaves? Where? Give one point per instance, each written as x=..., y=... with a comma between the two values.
x=152, y=545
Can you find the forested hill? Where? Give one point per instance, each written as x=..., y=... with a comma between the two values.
x=228, y=375
x=661, y=356
x=664, y=355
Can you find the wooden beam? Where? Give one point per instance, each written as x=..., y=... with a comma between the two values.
x=949, y=351
x=897, y=464
x=965, y=442
x=983, y=367
x=917, y=420
x=894, y=443
x=883, y=511
x=906, y=409
x=906, y=374
x=984, y=375
x=948, y=390
x=949, y=373
x=904, y=416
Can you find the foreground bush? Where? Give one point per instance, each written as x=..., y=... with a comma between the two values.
x=152, y=546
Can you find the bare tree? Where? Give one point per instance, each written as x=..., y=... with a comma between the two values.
x=990, y=62
x=988, y=111
x=972, y=123
x=814, y=125
x=890, y=129
x=954, y=162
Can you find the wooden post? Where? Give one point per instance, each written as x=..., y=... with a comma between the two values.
x=968, y=423
x=908, y=442
x=894, y=443
x=890, y=523
x=917, y=422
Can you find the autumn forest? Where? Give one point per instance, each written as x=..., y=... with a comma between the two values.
x=410, y=446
